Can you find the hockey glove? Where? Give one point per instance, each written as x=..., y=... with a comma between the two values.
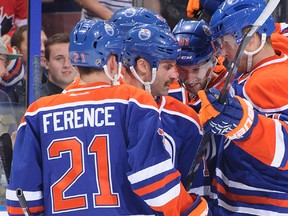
x=196, y=6
x=234, y=119
x=192, y=7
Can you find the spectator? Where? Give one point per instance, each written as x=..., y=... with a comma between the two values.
x=19, y=41
x=7, y=116
x=60, y=70
x=13, y=15
x=8, y=122
x=16, y=71
x=96, y=149
x=104, y=9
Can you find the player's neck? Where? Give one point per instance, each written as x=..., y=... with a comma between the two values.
x=93, y=77
x=131, y=80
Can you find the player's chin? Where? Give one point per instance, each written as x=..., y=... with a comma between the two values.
x=68, y=73
x=165, y=90
x=68, y=79
x=193, y=88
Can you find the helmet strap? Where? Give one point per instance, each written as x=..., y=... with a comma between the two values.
x=250, y=54
x=114, y=79
x=147, y=85
x=117, y=76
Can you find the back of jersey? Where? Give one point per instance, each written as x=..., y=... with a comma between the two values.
x=76, y=151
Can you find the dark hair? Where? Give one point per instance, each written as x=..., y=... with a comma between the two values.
x=55, y=39
x=17, y=37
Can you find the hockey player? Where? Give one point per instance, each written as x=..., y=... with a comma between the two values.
x=149, y=57
x=197, y=62
x=96, y=149
x=251, y=175
x=198, y=69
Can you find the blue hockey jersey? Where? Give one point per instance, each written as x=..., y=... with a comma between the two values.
x=251, y=177
x=95, y=150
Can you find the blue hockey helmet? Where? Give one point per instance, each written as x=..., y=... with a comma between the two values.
x=234, y=15
x=194, y=38
x=151, y=43
x=127, y=18
x=93, y=41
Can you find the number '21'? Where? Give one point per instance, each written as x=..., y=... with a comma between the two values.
x=99, y=148
x=79, y=56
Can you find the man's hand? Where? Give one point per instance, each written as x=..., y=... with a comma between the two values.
x=234, y=119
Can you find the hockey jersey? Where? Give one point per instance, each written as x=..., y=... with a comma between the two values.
x=252, y=175
x=182, y=130
x=203, y=179
x=280, y=37
x=13, y=13
x=90, y=150
x=182, y=133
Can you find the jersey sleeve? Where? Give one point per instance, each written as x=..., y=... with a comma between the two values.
x=268, y=142
x=267, y=93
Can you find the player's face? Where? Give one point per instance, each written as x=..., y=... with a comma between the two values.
x=229, y=48
x=195, y=78
x=3, y=66
x=61, y=72
x=165, y=76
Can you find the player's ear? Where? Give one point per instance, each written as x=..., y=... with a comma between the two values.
x=46, y=64
x=254, y=43
x=112, y=65
x=143, y=69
